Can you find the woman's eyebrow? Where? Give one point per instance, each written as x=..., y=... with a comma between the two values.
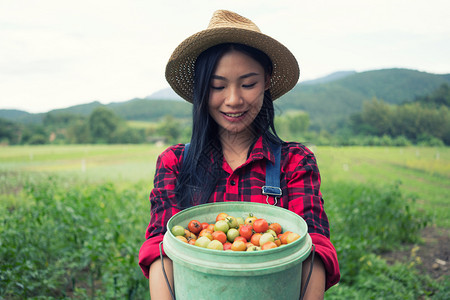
x=240, y=77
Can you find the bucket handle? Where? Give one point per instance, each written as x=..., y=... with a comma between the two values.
x=302, y=292
x=164, y=271
x=310, y=271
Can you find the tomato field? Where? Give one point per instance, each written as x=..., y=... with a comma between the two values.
x=72, y=219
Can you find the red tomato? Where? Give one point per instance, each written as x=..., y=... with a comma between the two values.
x=246, y=231
x=205, y=225
x=220, y=236
x=240, y=238
x=284, y=236
x=268, y=245
x=211, y=227
x=255, y=239
x=195, y=226
x=275, y=227
x=221, y=216
x=227, y=246
x=260, y=225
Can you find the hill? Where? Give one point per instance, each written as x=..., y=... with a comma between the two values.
x=327, y=100
x=328, y=103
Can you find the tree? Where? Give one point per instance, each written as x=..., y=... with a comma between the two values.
x=102, y=125
x=378, y=116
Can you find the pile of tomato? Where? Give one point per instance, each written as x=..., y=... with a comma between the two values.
x=235, y=234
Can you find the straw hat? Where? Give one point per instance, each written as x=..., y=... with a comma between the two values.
x=229, y=27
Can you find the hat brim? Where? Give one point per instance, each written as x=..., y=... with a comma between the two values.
x=180, y=68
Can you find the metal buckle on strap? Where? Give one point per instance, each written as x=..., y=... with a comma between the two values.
x=271, y=191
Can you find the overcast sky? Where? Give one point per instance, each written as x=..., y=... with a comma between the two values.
x=59, y=53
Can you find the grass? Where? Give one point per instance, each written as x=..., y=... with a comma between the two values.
x=423, y=173
x=73, y=218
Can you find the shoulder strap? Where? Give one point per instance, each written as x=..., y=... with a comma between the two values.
x=186, y=150
x=272, y=187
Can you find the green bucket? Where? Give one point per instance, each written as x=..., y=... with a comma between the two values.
x=201, y=273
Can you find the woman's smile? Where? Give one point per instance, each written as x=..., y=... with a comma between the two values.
x=236, y=93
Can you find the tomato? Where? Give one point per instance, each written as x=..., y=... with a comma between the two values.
x=232, y=222
x=192, y=241
x=202, y=241
x=284, y=236
x=275, y=227
x=232, y=234
x=182, y=238
x=189, y=234
x=250, y=219
x=195, y=226
x=221, y=216
x=227, y=246
x=260, y=225
x=266, y=237
x=177, y=230
x=215, y=245
x=277, y=241
x=255, y=239
x=211, y=227
x=238, y=246
x=249, y=244
x=206, y=232
x=221, y=225
x=220, y=236
x=240, y=238
x=205, y=225
x=246, y=231
x=268, y=245
x=291, y=237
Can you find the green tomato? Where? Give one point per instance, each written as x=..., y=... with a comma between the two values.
x=232, y=234
x=266, y=237
x=232, y=222
x=215, y=245
x=240, y=220
x=221, y=225
x=178, y=230
x=202, y=241
x=272, y=232
x=253, y=248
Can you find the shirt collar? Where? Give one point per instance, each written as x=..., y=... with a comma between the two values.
x=261, y=149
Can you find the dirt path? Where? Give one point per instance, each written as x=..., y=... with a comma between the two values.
x=431, y=256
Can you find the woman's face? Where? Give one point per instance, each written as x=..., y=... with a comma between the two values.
x=236, y=92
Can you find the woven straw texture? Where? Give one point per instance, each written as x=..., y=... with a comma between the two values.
x=229, y=27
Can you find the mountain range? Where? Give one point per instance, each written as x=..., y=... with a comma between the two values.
x=327, y=100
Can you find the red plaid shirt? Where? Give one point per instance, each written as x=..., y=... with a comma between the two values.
x=300, y=183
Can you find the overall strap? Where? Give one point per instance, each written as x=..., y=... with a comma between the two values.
x=272, y=187
x=186, y=150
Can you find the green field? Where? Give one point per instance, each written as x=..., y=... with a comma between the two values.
x=72, y=218
x=423, y=173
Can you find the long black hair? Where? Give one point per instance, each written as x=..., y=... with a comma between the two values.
x=202, y=166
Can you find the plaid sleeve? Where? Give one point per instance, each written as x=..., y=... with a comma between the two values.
x=162, y=200
x=304, y=196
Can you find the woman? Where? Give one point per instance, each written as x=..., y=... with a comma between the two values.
x=231, y=72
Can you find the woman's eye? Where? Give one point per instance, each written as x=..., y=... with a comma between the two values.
x=217, y=88
x=247, y=86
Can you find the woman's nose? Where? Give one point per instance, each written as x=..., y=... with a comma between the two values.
x=234, y=97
